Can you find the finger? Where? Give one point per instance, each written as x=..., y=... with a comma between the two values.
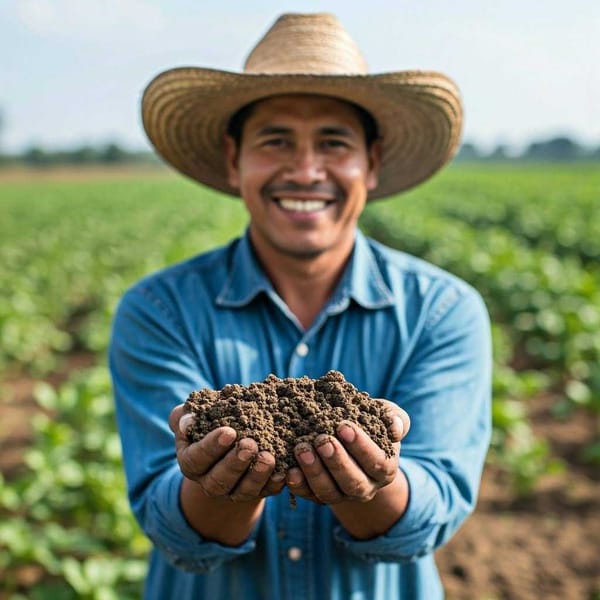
x=274, y=485
x=400, y=420
x=317, y=477
x=180, y=421
x=223, y=477
x=185, y=422
x=197, y=458
x=174, y=418
x=298, y=486
x=367, y=454
x=349, y=477
x=252, y=483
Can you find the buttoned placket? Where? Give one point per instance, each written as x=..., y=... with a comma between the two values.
x=298, y=527
x=298, y=552
x=297, y=365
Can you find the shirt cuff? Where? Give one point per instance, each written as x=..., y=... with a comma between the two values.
x=167, y=527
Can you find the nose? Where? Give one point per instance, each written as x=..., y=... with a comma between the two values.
x=305, y=166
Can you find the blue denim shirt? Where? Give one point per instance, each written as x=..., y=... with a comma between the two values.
x=397, y=327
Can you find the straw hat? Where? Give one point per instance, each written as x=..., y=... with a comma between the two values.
x=185, y=111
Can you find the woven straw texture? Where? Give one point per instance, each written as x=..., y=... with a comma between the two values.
x=185, y=111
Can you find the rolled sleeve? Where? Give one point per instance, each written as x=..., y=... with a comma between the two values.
x=446, y=390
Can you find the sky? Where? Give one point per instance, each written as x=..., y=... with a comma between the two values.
x=72, y=72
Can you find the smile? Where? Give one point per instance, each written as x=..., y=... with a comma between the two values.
x=295, y=205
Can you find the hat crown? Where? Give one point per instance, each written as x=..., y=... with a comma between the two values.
x=314, y=44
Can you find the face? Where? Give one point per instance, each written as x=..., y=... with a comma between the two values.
x=304, y=171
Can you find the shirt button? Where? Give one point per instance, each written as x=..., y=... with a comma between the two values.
x=301, y=349
x=294, y=553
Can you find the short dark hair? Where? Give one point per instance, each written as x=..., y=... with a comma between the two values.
x=237, y=121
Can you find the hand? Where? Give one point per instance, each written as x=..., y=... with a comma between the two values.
x=349, y=467
x=223, y=469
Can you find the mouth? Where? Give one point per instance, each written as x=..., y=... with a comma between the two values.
x=302, y=206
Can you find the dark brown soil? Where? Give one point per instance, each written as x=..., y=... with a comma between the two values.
x=545, y=545
x=280, y=413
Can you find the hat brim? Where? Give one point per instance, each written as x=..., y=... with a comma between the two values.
x=185, y=112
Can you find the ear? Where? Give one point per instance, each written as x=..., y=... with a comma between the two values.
x=232, y=162
x=374, y=158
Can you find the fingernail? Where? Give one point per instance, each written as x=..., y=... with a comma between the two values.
x=294, y=477
x=326, y=449
x=277, y=477
x=185, y=421
x=307, y=457
x=245, y=454
x=397, y=426
x=346, y=432
x=260, y=466
x=226, y=438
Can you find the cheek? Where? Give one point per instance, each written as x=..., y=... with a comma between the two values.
x=353, y=175
x=255, y=172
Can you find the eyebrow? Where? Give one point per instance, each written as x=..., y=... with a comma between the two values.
x=274, y=130
x=339, y=131
x=327, y=130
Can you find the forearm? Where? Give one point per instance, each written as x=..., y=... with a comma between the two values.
x=366, y=520
x=219, y=519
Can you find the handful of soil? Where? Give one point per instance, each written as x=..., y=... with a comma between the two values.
x=279, y=413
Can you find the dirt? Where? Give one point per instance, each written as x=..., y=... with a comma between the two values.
x=544, y=546
x=83, y=173
x=280, y=413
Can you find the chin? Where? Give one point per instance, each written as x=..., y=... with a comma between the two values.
x=302, y=253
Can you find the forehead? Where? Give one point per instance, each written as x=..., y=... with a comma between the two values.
x=303, y=108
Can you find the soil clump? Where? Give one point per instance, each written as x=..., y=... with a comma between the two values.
x=279, y=413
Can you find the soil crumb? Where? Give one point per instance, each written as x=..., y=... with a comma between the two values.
x=280, y=413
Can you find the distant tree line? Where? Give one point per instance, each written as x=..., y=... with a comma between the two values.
x=557, y=149
x=108, y=154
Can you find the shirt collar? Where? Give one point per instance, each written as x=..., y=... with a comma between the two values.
x=246, y=277
x=362, y=280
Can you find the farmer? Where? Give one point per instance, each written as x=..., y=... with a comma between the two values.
x=306, y=138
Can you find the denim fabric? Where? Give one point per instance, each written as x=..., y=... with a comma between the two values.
x=396, y=326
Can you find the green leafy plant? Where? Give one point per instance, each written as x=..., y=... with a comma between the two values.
x=67, y=513
x=528, y=239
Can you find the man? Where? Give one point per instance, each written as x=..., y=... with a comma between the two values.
x=306, y=138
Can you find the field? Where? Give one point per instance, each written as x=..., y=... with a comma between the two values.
x=527, y=237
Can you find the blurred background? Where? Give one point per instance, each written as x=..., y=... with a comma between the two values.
x=86, y=209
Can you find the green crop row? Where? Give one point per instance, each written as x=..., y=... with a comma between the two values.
x=69, y=250
x=545, y=304
x=549, y=305
x=552, y=209
x=66, y=515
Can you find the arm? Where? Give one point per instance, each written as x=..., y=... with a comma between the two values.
x=366, y=490
x=225, y=485
x=153, y=369
x=445, y=388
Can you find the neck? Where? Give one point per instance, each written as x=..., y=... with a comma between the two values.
x=304, y=284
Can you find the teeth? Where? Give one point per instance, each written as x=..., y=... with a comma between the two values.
x=302, y=205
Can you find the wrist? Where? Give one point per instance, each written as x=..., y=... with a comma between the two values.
x=366, y=520
x=218, y=518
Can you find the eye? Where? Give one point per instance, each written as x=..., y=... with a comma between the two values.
x=334, y=143
x=275, y=142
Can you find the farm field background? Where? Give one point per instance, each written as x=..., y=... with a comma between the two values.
x=528, y=237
